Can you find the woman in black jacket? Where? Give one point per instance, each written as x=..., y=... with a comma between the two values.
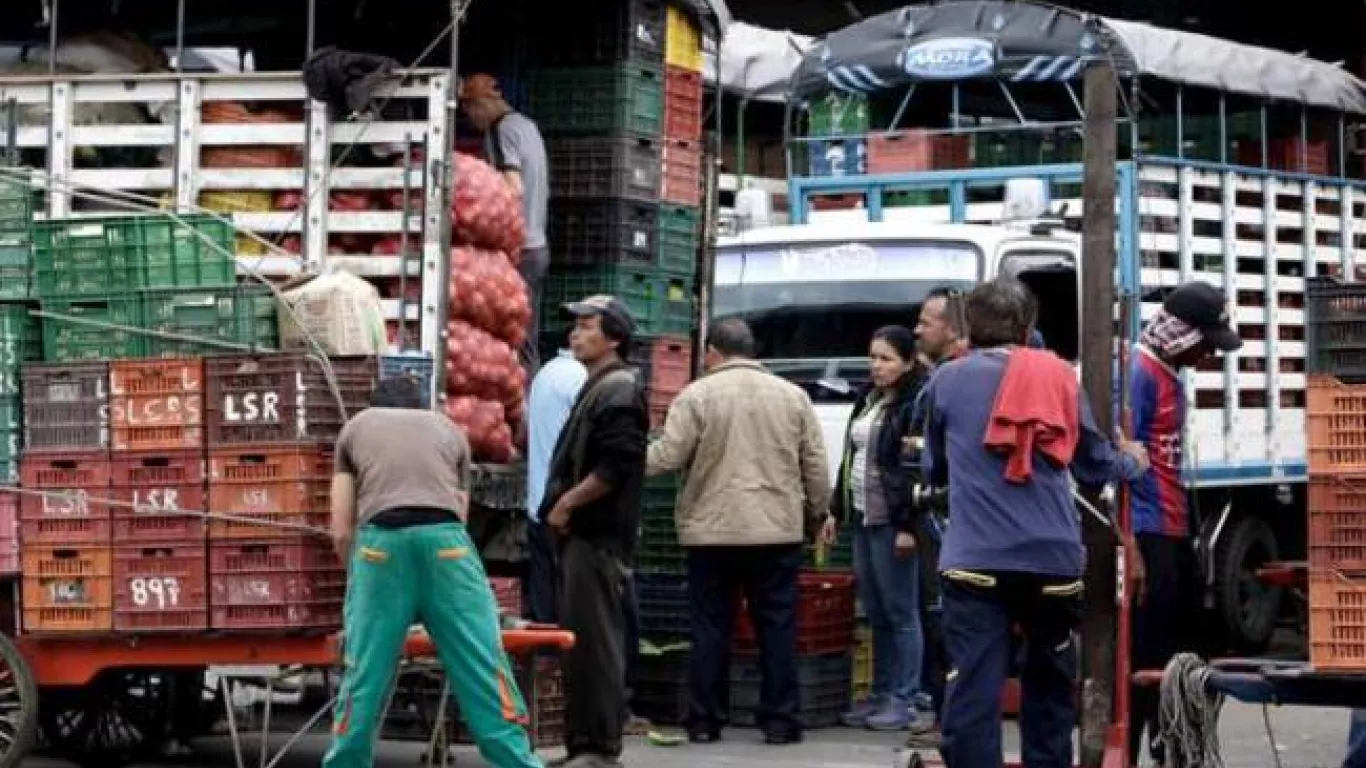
x=874, y=496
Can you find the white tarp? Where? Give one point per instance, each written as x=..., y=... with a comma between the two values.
x=756, y=62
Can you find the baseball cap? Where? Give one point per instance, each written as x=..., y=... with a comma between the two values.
x=604, y=305
x=479, y=86
x=1202, y=306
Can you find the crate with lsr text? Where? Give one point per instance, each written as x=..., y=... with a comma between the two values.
x=157, y=405
x=158, y=497
x=161, y=587
x=280, y=584
x=65, y=500
x=268, y=491
x=66, y=407
x=284, y=398
x=67, y=589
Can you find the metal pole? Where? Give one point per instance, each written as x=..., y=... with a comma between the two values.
x=310, y=39
x=180, y=36
x=52, y=39
x=447, y=196
x=740, y=153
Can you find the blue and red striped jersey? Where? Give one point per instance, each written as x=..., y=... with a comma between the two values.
x=1157, y=402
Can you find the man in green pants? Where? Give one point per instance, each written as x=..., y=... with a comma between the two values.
x=398, y=502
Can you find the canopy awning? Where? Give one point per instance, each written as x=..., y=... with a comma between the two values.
x=1036, y=42
x=757, y=63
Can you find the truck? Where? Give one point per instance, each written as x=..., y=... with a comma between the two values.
x=1242, y=179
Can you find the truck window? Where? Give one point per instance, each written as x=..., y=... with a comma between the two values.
x=1052, y=276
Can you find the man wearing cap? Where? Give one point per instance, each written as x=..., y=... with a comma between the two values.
x=592, y=502
x=1192, y=325
x=514, y=146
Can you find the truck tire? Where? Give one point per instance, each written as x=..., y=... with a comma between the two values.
x=1248, y=609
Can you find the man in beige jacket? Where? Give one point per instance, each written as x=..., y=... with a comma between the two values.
x=756, y=485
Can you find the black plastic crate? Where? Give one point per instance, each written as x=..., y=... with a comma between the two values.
x=601, y=33
x=622, y=167
x=664, y=611
x=825, y=685
x=1337, y=329
x=660, y=692
x=600, y=232
x=589, y=101
x=659, y=553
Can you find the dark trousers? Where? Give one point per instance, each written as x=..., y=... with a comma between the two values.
x=541, y=588
x=592, y=576
x=1168, y=607
x=768, y=578
x=535, y=264
x=979, y=612
x=631, y=620
x=936, y=663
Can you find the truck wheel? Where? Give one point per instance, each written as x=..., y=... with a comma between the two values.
x=1249, y=609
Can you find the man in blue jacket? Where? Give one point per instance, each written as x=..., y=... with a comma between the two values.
x=1013, y=552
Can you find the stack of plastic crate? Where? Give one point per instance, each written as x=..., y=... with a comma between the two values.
x=1336, y=420
x=662, y=598
x=20, y=341
x=836, y=143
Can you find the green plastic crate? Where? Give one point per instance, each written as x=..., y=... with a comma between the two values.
x=242, y=315
x=638, y=288
x=98, y=256
x=626, y=99
x=16, y=207
x=11, y=440
x=837, y=114
x=16, y=266
x=677, y=239
x=65, y=340
x=677, y=306
x=11, y=410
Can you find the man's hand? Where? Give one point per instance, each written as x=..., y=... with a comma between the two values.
x=1138, y=572
x=1134, y=450
x=905, y=545
x=829, y=531
x=558, y=518
x=342, y=540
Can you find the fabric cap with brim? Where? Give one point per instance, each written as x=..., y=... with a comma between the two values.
x=1202, y=306
x=602, y=304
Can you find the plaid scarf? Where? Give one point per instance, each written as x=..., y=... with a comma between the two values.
x=1169, y=335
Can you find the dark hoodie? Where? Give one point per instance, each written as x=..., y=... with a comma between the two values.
x=898, y=469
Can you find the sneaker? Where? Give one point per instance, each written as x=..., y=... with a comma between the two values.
x=857, y=716
x=922, y=721
x=931, y=739
x=894, y=715
x=590, y=760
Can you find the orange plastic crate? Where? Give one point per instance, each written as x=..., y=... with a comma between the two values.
x=1337, y=523
x=274, y=484
x=916, y=151
x=156, y=405
x=680, y=179
x=77, y=510
x=161, y=587
x=1335, y=414
x=150, y=485
x=67, y=589
x=1337, y=621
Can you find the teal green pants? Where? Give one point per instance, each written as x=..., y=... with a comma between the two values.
x=429, y=574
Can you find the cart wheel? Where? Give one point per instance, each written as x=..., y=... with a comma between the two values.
x=18, y=706
x=122, y=715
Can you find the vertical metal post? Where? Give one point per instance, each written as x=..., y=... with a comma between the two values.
x=1342, y=147
x=447, y=165
x=1266, y=148
x=957, y=106
x=740, y=154
x=310, y=38
x=52, y=39
x=1304, y=139
x=404, y=243
x=1223, y=128
x=1180, y=123
x=180, y=36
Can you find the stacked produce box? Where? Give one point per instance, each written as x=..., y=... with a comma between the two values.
x=20, y=341
x=1336, y=415
x=620, y=103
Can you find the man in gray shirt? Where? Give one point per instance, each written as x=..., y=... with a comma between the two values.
x=513, y=144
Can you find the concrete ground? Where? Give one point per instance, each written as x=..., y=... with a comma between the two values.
x=1306, y=738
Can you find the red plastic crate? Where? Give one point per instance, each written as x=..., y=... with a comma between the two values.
x=67, y=589
x=282, y=398
x=825, y=616
x=77, y=512
x=161, y=587
x=1335, y=418
x=682, y=104
x=916, y=151
x=680, y=178
x=293, y=583
x=156, y=405
x=9, y=533
x=66, y=407
x=149, y=485
x=1337, y=523
x=846, y=202
x=1337, y=621
x=670, y=372
x=507, y=592
x=1286, y=155
x=272, y=483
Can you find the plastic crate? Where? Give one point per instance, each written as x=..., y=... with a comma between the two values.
x=682, y=104
x=255, y=399
x=637, y=287
x=21, y=340
x=907, y=151
x=824, y=686
x=665, y=611
x=245, y=316
x=16, y=266
x=294, y=583
x=150, y=489
x=1337, y=621
x=156, y=405
x=1335, y=414
x=616, y=167
x=79, y=329
x=682, y=41
x=837, y=557
x=417, y=699
x=97, y=257
x=660, y=495
x=862, y=684
x=681, y=175
x=838, y=114
x=9, y=533
x=658, y=552
x=677, y=313
x=603, y=233
x=16, y=208
x=601, y=33
x=660, y=690
x=66, y=407
x=825, y=616
x=275, y=484
x=678, y=239
x=67, y=589
x=670, y=372
x=161, y=587
x=626, y=99
x=76, y=508
x=837, y=157
x=507, y=593
x=418, y=366
x=1337, y=329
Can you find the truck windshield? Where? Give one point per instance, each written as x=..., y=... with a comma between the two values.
x=814, y=306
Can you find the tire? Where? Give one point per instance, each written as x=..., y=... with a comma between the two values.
x=20, y=706
x=1247, y=609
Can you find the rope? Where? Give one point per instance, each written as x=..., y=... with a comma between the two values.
x=1188, y=715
